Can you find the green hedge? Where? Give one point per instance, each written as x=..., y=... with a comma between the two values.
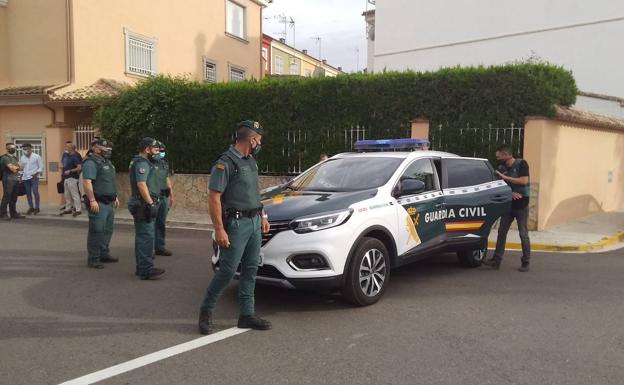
x=197, y=120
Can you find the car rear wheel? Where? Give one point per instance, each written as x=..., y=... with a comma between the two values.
x=368, y=273
x=472, y=258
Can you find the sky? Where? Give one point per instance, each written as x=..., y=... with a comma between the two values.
x=339, y=24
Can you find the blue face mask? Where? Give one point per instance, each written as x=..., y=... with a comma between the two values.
x=162, y=155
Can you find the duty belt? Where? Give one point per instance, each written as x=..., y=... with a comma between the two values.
x=243, y=213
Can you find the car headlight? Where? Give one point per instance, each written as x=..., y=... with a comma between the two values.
x=320, y=222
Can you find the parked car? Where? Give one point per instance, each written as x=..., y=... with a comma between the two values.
x=346, y=222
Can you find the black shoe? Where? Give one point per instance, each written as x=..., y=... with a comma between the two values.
x=64, y=212
x=95, y=265
x=5, y=217
x=165, y=252
x=524, y=268
x=76, y=213
x=152, y=274
x=17, y=216
x=30, y=211
x=205, y=322
x=253, y=322
x=108, y=259
x=492, y=263
x=36, y=211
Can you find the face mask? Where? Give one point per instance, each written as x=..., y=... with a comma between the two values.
x=107, y=154
x=162, y=155
x=256, y=150
x=11, y=151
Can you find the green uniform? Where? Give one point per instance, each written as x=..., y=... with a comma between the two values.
x=101, y=172
x=236, y=177
x=142, y=170
x=162, y=170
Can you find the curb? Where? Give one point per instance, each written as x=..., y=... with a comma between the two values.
x=604, y=243
x=127, y=221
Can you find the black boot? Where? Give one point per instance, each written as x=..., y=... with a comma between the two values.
x=164, y=252
x=95, y=265
x=205, y=322
x=154, y=273
x=524, y=268
x=253, y=322
x=492, y=263
x=108, y=259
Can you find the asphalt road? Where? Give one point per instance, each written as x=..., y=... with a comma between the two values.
x=562, y=323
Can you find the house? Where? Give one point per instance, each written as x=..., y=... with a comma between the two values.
x=281, y=59
x=426, y=35
x=56, y=54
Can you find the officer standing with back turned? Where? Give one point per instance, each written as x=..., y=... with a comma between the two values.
x=163, y=171
x=143, y=205
x=238, y=219
x=100, y=188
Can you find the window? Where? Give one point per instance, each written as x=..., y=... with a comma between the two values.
x=37, y=146
x=294, y=67
x=466, y=172
x=83, y=135
x=237, y=74
x=140, y=54
x=235, y=19
x=279, y=65
x=422, y=170
x=210, y=72
x=265, y=57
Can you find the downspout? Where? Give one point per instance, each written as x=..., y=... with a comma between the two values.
x=70, y=58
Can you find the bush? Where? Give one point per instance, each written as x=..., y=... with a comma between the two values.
x=305, y=117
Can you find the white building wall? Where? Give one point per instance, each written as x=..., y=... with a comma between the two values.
x=580, y=35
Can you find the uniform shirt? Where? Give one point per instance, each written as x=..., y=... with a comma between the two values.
x=142, y=170
x=236, y=177
x=31, y=165
x=70, y=161
x=162, y=170
x=7, y=174
x=518, y=169
x=101, y=173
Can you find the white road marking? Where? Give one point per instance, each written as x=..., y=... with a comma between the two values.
x=154, y=357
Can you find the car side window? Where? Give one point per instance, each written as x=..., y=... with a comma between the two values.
x=422, y=170
x=467, y=172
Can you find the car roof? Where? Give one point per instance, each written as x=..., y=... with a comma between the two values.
x=396, y=154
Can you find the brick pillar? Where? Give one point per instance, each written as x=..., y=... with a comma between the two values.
x=420, y=128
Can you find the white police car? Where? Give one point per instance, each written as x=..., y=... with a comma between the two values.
x=346, y=222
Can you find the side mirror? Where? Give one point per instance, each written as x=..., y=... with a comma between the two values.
x=412, y=186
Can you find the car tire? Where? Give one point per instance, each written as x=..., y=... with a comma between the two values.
x=472, y=258
x=362, y=288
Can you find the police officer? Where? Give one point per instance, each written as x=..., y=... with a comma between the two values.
x=100, y=188
x=143, y=205
x=163, y=172
x=238, y=220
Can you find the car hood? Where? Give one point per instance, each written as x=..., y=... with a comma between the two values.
x=285, y=205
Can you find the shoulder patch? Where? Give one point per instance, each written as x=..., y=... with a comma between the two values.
x=141, y=170
x=220, y=166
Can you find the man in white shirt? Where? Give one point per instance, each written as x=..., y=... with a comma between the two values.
x=32, y=165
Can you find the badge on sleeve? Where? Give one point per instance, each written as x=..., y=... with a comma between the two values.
x=141, y=170
x=220, y=166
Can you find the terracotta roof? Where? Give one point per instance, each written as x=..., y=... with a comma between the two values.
x=24, y=91
x=103, y=87
x=572, y=115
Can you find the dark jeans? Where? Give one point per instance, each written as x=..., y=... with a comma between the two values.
x=32, y=188
x=522, y=217
x=9, y=196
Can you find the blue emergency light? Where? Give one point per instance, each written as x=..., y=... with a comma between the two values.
x=392, y=145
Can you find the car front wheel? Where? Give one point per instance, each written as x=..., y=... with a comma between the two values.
x=368, y=273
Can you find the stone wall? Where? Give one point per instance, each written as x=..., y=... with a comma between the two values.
x=191, y=190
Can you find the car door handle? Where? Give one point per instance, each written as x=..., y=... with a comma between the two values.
x=499, y=198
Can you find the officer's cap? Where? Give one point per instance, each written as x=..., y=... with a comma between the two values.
x=252, y=125
x=147, y=142
x=103, y=142
x=161, y=145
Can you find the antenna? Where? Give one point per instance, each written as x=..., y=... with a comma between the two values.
x=291, y=24
x=357, y=54
x=318, y=40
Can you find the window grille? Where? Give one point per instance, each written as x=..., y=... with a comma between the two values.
x=140, y=55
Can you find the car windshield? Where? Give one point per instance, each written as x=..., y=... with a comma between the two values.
x=347, y=174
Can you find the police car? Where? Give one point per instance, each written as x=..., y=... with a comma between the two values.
x=346, y=222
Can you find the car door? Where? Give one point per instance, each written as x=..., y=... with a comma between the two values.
x=474, y=198
x=421, y=215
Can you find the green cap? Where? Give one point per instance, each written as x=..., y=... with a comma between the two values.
x=103, y=142
x=147, y=142
x=252, y=125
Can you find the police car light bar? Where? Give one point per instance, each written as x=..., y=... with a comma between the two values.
x=392, y=145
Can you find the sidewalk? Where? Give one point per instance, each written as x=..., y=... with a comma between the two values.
x=176, y=218
x=597, y=232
